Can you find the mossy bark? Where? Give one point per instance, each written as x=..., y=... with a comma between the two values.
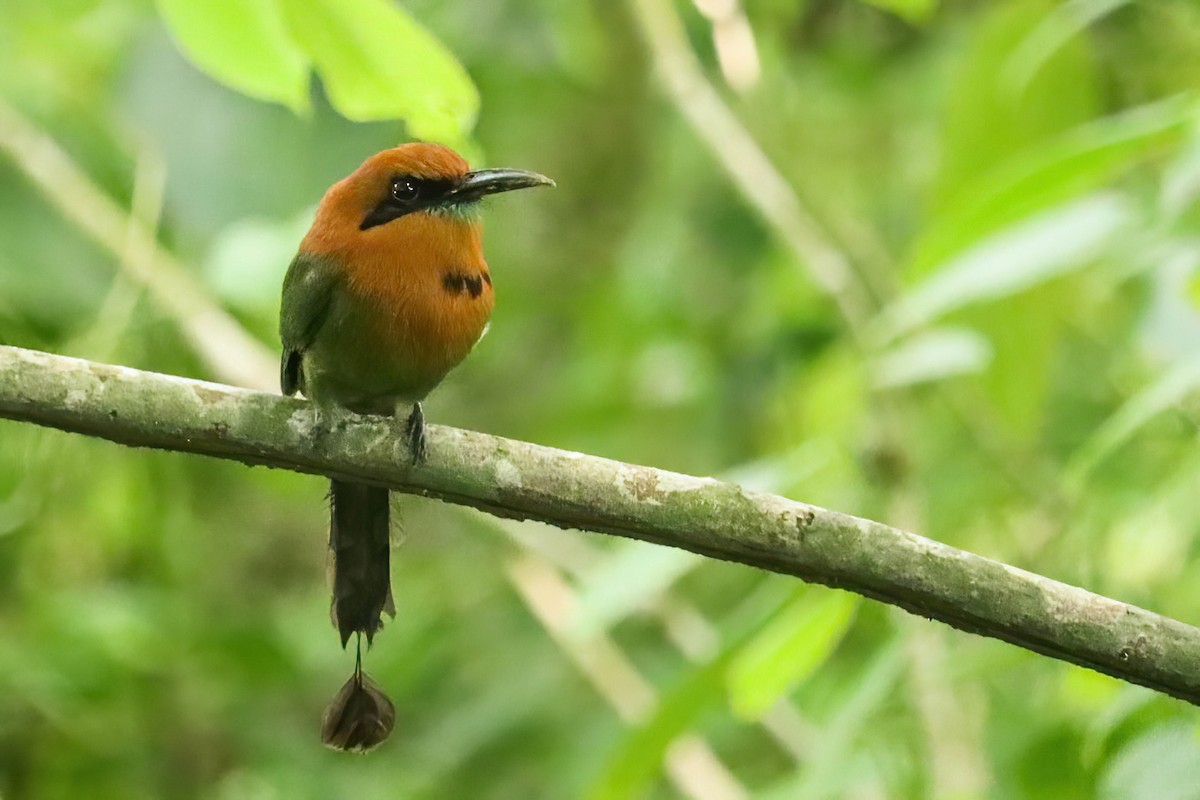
x=573, y=490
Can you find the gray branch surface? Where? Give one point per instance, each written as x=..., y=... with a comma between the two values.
x=572, y=490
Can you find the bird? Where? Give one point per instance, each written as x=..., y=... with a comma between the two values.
x=388, y=292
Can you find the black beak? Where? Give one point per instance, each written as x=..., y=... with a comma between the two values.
x=447, y=193
x=483, y=182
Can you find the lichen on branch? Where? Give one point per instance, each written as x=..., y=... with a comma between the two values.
x=573, y=490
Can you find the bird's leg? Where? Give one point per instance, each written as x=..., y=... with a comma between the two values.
x=414, y=431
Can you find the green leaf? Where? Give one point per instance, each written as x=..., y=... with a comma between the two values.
x=985, y=123
x=636, y=761
x=377, y=63
x=245, y=263
x=1160, y=764
x=1146, y=546
x=244, y=44
x=1062, y=24
x=825, y=771
x=788, y=650
x=1088, y=692
x=1164, y=393
x=931, y=356
x=1192, y=289
x=1025, y=333
x=834, y=395
x=1056, y=170
x=911, y=10
x=632, y=577
x=1106, y=721
x=1048, y=245
x=641, y=753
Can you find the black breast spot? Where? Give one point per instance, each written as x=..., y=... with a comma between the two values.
x=458, y=282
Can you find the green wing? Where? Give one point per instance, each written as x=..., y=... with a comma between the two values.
x=307, y=291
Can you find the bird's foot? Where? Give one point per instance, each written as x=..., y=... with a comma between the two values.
x=414, y=431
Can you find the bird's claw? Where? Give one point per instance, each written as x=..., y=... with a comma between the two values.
x=414, y=430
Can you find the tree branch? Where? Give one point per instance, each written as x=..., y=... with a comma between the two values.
x=572, y=490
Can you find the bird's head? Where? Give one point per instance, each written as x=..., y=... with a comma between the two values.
x=411, y=180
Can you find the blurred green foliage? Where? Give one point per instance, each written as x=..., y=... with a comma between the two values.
x=374, y=61
x=1017, y=187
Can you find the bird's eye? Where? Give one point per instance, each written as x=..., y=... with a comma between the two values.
x=405, y=190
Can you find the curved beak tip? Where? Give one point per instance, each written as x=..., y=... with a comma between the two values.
x=493, y=181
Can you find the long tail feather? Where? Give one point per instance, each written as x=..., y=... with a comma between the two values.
x=359, y=539
x=360, y=716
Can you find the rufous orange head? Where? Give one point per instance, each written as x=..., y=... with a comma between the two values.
x=417, y=180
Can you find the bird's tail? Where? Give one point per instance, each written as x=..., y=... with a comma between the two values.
x=359, y=538
x=360, y=716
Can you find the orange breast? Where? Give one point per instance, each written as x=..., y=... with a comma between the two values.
x=424, y=281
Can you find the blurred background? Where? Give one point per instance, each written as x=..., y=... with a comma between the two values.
x=930, y=264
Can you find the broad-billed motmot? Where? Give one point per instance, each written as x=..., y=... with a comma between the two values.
x=388, y=293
